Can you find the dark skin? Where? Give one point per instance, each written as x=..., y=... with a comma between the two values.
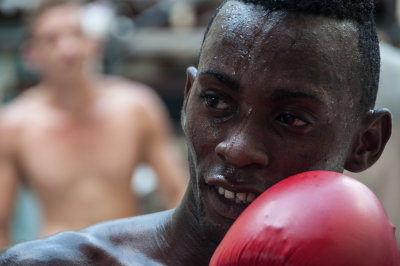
x=273, y=95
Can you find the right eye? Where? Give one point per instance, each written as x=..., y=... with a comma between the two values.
x=214, y=101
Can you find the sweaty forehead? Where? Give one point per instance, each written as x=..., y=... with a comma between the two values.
x=248, y=38
x=242, y=28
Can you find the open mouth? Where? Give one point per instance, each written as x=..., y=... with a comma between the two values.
x=227, y=203
x=237, y=197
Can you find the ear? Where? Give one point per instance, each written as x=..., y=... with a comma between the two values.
x=371, y=139
x=191, y=73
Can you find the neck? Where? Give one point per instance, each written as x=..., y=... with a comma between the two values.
x=74, y=96
x=190, y=245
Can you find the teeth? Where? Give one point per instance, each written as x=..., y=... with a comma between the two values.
x=229, y=194
x=250, y=197
x=241, y=197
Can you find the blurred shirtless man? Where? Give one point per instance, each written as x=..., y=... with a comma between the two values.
x=77, y=137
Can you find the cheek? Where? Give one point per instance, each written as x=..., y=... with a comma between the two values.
x=327, y=151
x=48, y=57
x=193, y=131
x=198, y=137
x=324, y=148
x=202, y=135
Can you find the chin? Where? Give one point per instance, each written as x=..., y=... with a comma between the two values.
x=215, y=232
x=213, y=226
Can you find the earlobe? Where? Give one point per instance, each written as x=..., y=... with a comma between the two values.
x=368, y=145
x=191, y=73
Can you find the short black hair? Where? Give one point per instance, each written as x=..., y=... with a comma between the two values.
x=360, y=12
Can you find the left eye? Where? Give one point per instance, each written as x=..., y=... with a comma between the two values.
x=292, y=120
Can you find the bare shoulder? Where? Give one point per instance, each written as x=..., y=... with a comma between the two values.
x=132, y=238
x=15, y=112
x=132, y=99
x=11, y=123
x=67, y=248
x=136, y=94
x=15, y=115
x=118, y=242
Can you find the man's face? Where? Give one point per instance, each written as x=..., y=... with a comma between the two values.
x=59, y=46
x=275, y=94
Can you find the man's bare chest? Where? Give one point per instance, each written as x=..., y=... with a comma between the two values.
x=106, y=147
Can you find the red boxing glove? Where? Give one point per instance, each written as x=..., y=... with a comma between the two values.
x=312, y=219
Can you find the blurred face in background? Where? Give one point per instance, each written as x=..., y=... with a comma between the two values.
x=59, y=49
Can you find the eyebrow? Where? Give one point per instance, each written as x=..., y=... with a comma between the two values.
x=223, y=78
x=285, y=94
x=279, y=95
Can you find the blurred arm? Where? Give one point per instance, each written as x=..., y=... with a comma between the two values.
x=162, y=154
x=8, y=183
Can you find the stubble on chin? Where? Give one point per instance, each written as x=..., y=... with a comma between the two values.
x=210, y=231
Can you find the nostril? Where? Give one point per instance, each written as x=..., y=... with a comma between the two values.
x=241, y=155
x=221, y=150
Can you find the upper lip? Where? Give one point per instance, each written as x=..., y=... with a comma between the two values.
x=223, y=181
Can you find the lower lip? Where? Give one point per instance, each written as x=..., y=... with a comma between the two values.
x=223, y=206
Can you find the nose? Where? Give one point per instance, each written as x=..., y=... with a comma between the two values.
x=243, y=148
x=68, y=46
